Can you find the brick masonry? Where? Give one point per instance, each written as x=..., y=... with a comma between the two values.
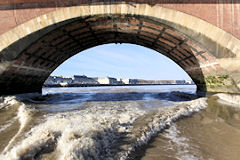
x=40, y=47
x=224, y=14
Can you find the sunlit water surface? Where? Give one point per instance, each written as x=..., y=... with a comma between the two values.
x=138, y=122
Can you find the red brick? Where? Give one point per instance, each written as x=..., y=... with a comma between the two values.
x=81, y=36
x=193, y=45
x=152, y=25
x=167, y=42
x=146, y=38
x=67, y=42
x=210, y=12
x=201, y=60
x=75, y=26
x=164, y=45
x=169, y=38
x=174, y=34
x=209, y=58
x=80, y=31
x=188, y=48
x=195, y=61
x=59, y=40
x=35, y=47
x=184, y=52
x=184, y=63
x=148, y=35
x=179, y=53
x=150, y=30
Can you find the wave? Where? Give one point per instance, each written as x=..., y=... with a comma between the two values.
x=15, y=109
x=164, y=118
x=8, y=101
x=23, y=117
x=181, y=144
x=103, y=130
x=11, y=101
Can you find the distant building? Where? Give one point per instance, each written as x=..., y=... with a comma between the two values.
x=63, y=79
x=123, y=80
x=64, y=84
x=180, y=81
x=58, y=80
x=107, y=80
x=83, y=80
x=133, y=81
x=126, y=81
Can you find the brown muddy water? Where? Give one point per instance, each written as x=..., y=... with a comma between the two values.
x=211, y=134
x=111, y=123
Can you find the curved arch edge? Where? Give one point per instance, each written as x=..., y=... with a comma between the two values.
x=219, y=43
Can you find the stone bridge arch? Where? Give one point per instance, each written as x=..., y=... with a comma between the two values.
x=31, y=51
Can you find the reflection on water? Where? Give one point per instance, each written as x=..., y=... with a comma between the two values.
x=118, y=123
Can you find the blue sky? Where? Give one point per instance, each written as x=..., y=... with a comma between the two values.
x=121, y=61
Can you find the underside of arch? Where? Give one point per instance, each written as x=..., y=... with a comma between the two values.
x=26, y=67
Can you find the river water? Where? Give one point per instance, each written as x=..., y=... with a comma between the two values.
x=166, y=122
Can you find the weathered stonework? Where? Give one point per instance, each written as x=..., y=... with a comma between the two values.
x=221, y=83
x=32, y=50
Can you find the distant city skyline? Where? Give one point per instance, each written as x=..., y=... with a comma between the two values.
x=71, y=76
x=76, y=80
x=122, y=61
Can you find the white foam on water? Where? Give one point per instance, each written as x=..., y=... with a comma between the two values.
x=180, y=144
x=8, y=101
x=92, y=133
x=230, y=99
x=23, y=117
x=7, y=124
x=83, y=133
x=165, y=118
